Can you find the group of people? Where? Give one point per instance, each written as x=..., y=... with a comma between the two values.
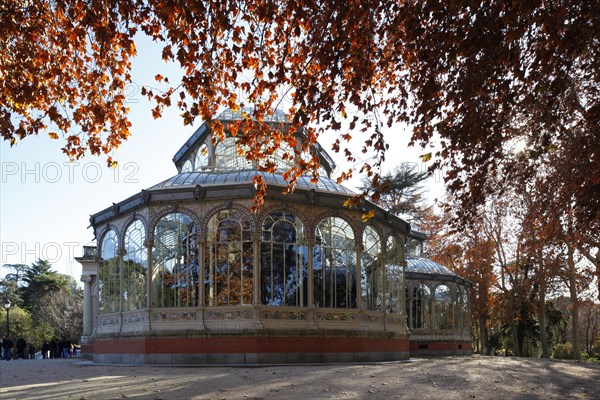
x=52, y=349
x=58, y=349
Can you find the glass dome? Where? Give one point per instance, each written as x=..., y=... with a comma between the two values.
x=426, y=266
x=199, y=153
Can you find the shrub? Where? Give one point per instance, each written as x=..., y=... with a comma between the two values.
x=563, y=351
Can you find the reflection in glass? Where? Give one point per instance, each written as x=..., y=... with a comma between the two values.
x=283, y=157
x=442, y=307
x=419, y=307
x=109, y=274
x=187, y=166
x=371, y=271
x=174, y=262
x=228, y=259
x=464, y=310
x=135, y=265
x=201, y=161
x=228, y=156
x=284, y=261
x=413, y=248
x=393, y=276
x=334, y=264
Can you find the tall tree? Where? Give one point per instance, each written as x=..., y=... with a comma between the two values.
x=18, y=271
x=477, y=78
x=403, y=192
x=471, y=255
x=40, y=282
x=10, y=284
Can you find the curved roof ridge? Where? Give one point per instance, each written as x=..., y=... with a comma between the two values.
x=426, y=266
x=246, y=176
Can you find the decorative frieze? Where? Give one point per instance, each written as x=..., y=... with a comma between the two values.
x=394, y=319
x=225, y=315
x=109, y=320
x=174, y=316
x=284, y=315
x=137, y=318
x=336, y=316
x=371, y=318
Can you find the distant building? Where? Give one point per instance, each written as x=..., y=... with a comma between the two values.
x=185, y=273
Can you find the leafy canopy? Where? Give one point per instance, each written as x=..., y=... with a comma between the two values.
x=478, y=78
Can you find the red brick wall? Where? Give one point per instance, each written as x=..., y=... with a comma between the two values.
x=249, y=345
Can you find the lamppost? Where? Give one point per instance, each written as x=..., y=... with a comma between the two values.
x=7, y=305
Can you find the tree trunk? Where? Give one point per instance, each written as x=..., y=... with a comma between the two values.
x=572, y=279
x=483, y=334
x=574, y=304
x=515, y=333
x=542, y=310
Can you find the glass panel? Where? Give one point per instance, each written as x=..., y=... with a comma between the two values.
x=135, y=265
x=174, y=262
x=334, y=264
x=227, y=155
x=371, y=271
x=187, y=166
x=283, y=157
x=284, y=261
x=201, y=161
x=109, y=274
x=393, y=276
x=442, y=307
x=229, y=259
x=466, y=320
x=421, y=307
x=413, y=248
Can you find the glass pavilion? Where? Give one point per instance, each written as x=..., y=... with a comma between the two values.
x=185, y=273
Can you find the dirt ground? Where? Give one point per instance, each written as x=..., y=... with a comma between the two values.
x=440, y=378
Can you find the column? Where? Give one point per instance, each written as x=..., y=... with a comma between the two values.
x=87, y=304
x=358, y=249
x=149, y=244
x=201, y=272
x=256, y=238
x=310, y=243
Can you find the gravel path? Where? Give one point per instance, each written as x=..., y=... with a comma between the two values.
x=440, y=378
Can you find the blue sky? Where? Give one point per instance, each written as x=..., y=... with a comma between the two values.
x=46, y=201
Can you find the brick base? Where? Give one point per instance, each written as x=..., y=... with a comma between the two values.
x=425, y=348
x=249, y=350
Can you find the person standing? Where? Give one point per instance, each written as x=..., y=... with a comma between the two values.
x=31, y=351
x=7, y=346
x=21, y=346
x=45, y=350
x=53, y=347
x=66, y=346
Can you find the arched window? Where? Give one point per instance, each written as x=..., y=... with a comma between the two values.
x=228, y=259
x=187, y=166
x=227, y=156
x=134, y=267
x=393, y=276
x=464, y=310
x=284, y=261
x=414, y=248
x=174, y=262
x=334, y=264
x=201, y=161
x=442, y=307
x=371, y=271
x=420, y=307
x=109, y=274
